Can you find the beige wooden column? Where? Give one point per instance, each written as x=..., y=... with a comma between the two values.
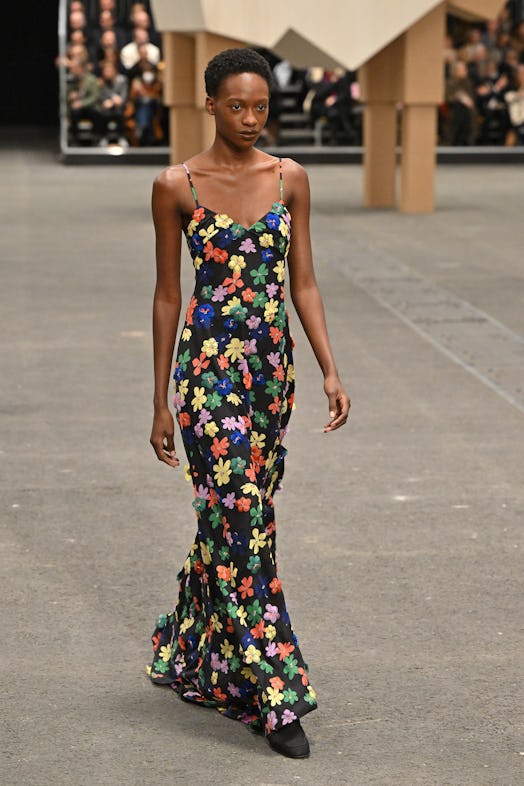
x=380, y=122
x=185, y=134
x=380, y=89
x=207, y=45
x=422, y=91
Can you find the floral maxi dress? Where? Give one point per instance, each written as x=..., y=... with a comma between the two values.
x=228, y=642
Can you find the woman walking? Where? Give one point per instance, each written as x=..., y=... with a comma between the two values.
x=245, y=215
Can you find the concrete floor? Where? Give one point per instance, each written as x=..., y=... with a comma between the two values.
x=400, y=537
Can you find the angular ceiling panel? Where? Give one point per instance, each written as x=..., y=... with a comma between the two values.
x=342, y=32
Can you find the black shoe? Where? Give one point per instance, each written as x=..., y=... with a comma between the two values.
x=290, y=741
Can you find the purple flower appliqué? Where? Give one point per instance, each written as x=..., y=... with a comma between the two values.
x=242, y=364
x=288, y=716
x=271, y=613
x=250, y=347
x=202, y=491
x=274, y=359
x=253, y=322
x=233, y=690
x=205, y=416
x=247, y=246
x=219, y=293
x=271, y=289
x=271, y=650
x=229, y=500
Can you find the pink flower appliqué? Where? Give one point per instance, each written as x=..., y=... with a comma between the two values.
x=247, y=246
x=229, y=500
x=271, y=613
x=274, y=359
x=288, y=716
x=253, y=322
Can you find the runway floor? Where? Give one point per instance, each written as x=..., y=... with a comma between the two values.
x=400, y=537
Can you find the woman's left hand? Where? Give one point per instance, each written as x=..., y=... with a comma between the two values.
x=339, y=403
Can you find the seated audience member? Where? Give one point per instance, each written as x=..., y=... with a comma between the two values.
x=501, y=46
x=77, y=22
x=460, y=97
x=135, y=8
x=468, y=51
x=489, y=36
x=143, y=63
x=112, y=100
x=129, y=56
x=142, y=20
x=108, y=42
x=76, y=5
x=517, y=40
x=477, y=63
x=78, y=37
x=108, y=5
x=333, y=101
x=515, y=101
x=490, y=89
x=83, y=95
x=106, y=21
x=504, y=19
x=145, y=108
x=73, y=52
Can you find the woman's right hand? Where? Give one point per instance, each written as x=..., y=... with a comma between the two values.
x=162, y=437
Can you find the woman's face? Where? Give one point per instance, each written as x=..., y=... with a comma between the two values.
x=240, y=108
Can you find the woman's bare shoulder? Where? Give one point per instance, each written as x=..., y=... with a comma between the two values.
x=171, y=178
x=171, y=186
x=293, y=169
x=296, y=181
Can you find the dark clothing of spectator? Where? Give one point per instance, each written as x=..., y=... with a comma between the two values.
x=460, y=98
x=492, y=109
x=334, y=102
x=120, y=34
x=110, y=114
x=145, y=101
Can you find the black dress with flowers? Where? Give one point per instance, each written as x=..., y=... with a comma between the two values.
x=228, y=642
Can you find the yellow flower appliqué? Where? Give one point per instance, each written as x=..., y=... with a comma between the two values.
x=199, y=399
x=222, y=470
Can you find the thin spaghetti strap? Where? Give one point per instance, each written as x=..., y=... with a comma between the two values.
x=193, y=190
x=281, y=181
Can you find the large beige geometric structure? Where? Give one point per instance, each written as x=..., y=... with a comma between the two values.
x=396, y=45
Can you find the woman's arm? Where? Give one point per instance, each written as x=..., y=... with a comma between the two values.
x=307, y=299
x=166, y=309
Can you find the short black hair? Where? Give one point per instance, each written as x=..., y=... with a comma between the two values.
x=235, y=61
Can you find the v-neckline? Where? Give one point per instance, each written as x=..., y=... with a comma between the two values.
x=276, y=203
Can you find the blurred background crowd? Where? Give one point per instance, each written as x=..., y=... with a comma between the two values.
x=113, y=65
x=114, y=73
